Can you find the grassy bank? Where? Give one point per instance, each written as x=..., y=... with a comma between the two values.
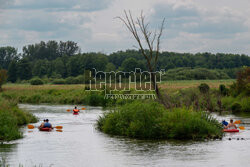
x=151, y=121
x=53, y=94
x=75, y=94
x=11, y=118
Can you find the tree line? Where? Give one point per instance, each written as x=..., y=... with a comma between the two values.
x=54, y=59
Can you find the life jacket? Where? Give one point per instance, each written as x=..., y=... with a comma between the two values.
x=224, y=123
x=76, y=110
x=47, y=125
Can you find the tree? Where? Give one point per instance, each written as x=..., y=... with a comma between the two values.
x=3, y=77
x=129, y=65
x=24, y=69
x=12, y=71
x=110, y=67
x=7, y=54
x=140, y=31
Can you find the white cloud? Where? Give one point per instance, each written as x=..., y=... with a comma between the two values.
x=191, y=25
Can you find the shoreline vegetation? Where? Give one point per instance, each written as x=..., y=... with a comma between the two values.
x=11, y=119
x=143, y=119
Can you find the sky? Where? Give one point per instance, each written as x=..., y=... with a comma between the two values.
x=191, y=25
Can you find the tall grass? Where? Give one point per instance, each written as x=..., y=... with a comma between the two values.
x=149, y=120
x=11, y=117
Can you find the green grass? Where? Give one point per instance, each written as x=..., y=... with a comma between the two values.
x=151, y=121
x=53, y=94
x=11, y=118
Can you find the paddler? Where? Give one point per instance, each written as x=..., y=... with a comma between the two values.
x=75, y=110
x=231, y=125
x=47, y=124
x=42, y=124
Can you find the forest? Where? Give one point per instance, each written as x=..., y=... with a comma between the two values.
x=61, y=60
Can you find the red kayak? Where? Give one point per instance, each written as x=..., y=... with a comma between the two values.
x=230, y=130
x=75, y=113
x=45, y=129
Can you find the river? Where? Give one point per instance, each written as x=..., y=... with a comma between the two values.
x=80, y=144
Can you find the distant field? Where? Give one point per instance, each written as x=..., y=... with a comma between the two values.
x=181, y=84
x=194, y=83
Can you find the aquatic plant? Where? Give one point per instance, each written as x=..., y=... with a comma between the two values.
x=149, y=120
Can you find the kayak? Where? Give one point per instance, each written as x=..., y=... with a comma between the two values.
x=45, y=129
x=231, y=130
x=75, y=113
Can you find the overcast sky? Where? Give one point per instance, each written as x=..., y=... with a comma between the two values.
x=191, y=25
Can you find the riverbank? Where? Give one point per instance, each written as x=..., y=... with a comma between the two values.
x=188, y=101
x=11, y=119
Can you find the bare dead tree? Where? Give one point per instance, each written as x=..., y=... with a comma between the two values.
x=143, y=35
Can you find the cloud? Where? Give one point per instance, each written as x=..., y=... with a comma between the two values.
x=190, y=18
x=77, y=5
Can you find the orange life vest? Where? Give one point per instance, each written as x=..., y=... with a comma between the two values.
x=76, y=110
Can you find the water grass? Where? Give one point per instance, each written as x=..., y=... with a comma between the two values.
x=11, y=118
x=151, y=121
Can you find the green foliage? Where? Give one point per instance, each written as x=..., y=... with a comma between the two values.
x=12, y=71
x=11, y=117
x=187, y=73
x=7, y=54
x=151, y=121
x=223, y=90
x=54, y=58
x=242, y=85
x=59, y=81
x=204, y=88
x=236, y=107
x=36, y=81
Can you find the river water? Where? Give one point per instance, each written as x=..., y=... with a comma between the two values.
x=80, y=144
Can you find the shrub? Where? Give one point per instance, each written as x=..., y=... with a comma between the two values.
x=223, y=90
x=236, y=107
x=11, y=117
x=36, y=81
x=59, y=81
x=204, y=88
x=149, y=120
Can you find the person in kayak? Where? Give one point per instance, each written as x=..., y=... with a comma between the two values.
x=224, y=123
x=231, y=125
x=42, y=124
x=75, y=110
x=47, y=124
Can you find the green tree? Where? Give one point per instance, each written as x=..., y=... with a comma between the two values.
x=7, y=54
x=12, y=71
x=110, y=67
x=24, y=69
x=129, y=64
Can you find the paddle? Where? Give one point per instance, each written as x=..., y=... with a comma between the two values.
x=237, y=122
x=71, y=110
x=32, y=127
x=241, y=127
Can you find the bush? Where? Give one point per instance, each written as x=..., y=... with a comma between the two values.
x=236, y=107
x=36, y=81
x=11, y=117
x=149, y=120
x=223, y=90
x=204, y=88
x=59, y=81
